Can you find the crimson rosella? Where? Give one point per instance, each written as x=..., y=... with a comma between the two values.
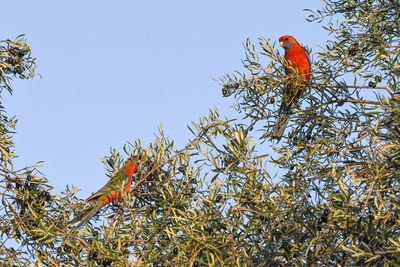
x=298, y=71
x=108, y=193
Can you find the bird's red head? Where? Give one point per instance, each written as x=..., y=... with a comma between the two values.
x=287, y=41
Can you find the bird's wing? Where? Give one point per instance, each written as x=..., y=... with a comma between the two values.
x=114, y=184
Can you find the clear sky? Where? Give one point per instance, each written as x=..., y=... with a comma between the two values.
x=113, y=71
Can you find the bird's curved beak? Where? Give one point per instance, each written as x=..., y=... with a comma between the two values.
x=281, y=44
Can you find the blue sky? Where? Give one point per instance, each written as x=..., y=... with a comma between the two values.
x=112, y=71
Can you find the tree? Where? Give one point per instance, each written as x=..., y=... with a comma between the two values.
x=215, y=201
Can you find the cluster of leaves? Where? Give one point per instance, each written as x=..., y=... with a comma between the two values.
x=24, y=213
x=214, y=202
x=366, y=38
x=15, y=61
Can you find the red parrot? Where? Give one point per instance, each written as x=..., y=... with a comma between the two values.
x=108, y=193
x=299, y=68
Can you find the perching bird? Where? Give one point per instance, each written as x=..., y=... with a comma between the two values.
x=298, y=72
x=108, y=193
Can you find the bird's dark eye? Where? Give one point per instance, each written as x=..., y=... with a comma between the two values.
x=287, y=38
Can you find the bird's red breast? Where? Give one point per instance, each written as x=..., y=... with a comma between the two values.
x=296, y=55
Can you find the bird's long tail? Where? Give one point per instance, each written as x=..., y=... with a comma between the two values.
x=85, y=216
x=285, y=111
